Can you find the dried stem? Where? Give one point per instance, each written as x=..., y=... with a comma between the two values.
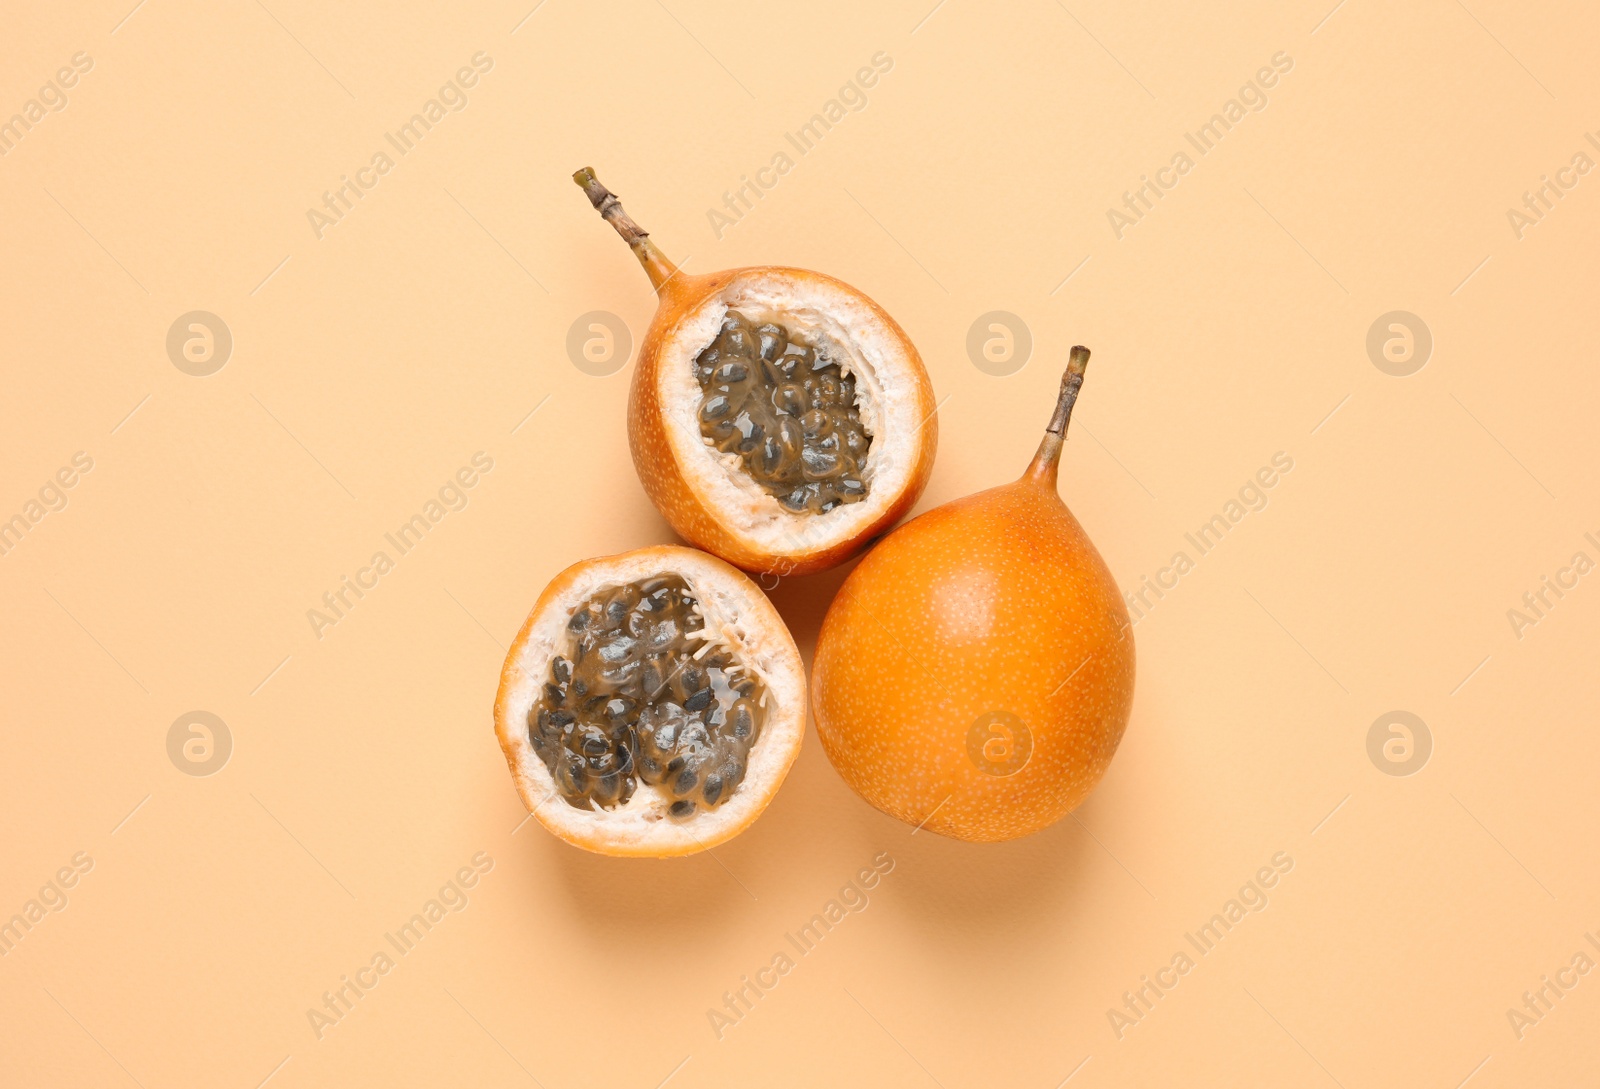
x=655, y=263
x=1071, y=382
x=1047, y=461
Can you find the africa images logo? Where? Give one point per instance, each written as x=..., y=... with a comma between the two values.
x=1140, y=201
x=450, y=98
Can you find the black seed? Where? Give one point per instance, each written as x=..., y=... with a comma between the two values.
x=579, y=621
x=751, y=438
x=789, y=398
x=730, y=373
x=790, y=436
x=616, y=613
x=559, y=719
x=712, y=790
x=664, y=634
x=623, y=675
x=770, y=341
x=572, y=776
x=561, y=669
x=771, y=456
x=617, y=650
x=554, y=695
x=715, y=407
x=736, y=342
x=686, y=781
x=818, y=463
x=681, y=808
x=699, y=701
x=651, y=678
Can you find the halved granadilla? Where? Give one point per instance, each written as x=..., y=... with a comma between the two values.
x=778, y=417
x=651, y=704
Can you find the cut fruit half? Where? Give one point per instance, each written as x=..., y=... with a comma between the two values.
x=778, y=417
x=652, y=703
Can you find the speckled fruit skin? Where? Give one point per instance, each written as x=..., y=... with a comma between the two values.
x=995, y=602
x=663, y=477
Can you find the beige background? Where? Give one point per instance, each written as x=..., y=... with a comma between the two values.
x=368, y=365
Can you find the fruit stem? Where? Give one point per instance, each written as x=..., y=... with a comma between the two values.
x=655, y=263
x=1047, y=461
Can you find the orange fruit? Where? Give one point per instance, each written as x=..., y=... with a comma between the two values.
x=778, y=417
x=652, y=703
x=974, y=674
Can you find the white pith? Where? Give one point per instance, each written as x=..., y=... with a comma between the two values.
x=852, y=333
x=738, y=617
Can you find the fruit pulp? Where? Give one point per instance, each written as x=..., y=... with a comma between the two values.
x=787, y=410
x=642, y=694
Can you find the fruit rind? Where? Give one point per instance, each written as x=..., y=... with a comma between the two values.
x=734, y=607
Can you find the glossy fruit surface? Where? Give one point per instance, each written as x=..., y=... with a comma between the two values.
x=707, y=493
x=974, y=675
x=650, y=813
